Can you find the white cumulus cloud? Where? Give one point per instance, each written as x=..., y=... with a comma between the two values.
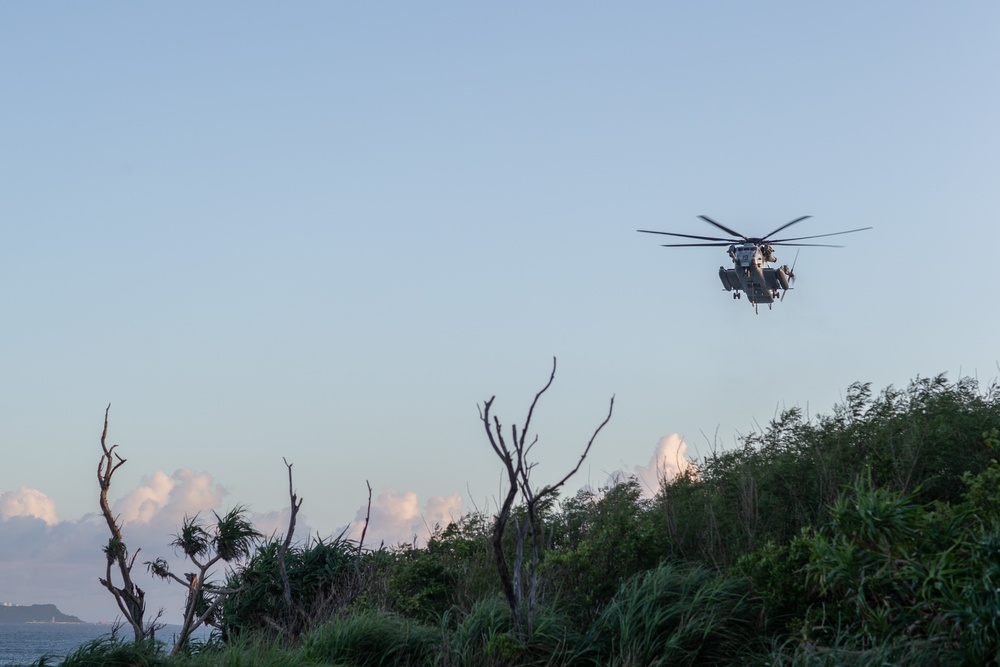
x=398, y=518
x=28, y=502
x=167, y=500
x=668, y=460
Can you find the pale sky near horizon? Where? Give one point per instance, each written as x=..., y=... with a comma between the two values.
x=327, y=232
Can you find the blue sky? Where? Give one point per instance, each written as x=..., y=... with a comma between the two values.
x=328, y=232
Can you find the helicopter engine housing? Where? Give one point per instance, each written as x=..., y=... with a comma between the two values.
x=782, y=277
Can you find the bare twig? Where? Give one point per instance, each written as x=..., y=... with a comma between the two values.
x=583, y=456
x=368, y=515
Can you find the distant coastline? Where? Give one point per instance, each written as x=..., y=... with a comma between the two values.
x=35, y=613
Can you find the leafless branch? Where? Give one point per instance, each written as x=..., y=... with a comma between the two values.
x=368, y=515
x=583, y=456
x=295, y=503
x=131, y=599
x=518, y=470
x=531, y=410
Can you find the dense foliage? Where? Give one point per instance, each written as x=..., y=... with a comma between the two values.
x=868, y=536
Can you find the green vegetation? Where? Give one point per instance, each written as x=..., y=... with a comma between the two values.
x=867, y=537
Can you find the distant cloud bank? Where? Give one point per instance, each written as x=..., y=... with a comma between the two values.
x=46, y=560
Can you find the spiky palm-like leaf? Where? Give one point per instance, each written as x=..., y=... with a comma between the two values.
x=235, y=536
x=158, y=568
x=193, y=539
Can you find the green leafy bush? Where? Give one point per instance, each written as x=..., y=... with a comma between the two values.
x=600, y=540
x=896, y=573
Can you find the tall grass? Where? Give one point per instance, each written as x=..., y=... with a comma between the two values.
x=844, y=653
x=675, y=615
x=257, y=650
x=372, y=639
x=485, y=637
x=481, y=634
x=113, y=652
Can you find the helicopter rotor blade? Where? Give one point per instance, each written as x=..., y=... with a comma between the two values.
x=723, y=228
x=817, y=236
x=693, y=245
x=689, y=236
x=814, y=245
x=786, y=225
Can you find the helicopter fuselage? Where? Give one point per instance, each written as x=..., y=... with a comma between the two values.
x=751, y=274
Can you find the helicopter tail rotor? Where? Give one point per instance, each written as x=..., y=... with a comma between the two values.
x=790, y=275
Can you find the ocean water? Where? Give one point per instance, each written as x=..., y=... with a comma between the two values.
x=25, y=643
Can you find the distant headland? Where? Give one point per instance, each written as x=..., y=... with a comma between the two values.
x=35, y=613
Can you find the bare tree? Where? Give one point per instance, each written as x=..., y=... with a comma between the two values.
x=130, y=598
x=522, y=596
x=295, y=503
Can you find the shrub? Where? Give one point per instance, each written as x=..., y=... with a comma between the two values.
x=323, y=576
x=602, y=539
x=899, y=574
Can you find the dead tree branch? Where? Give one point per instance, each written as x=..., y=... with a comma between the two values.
x=295, y=503
x=368, y=515
x=130, y=598
x=518, y=469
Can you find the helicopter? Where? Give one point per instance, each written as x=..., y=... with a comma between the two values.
x=750, y=255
